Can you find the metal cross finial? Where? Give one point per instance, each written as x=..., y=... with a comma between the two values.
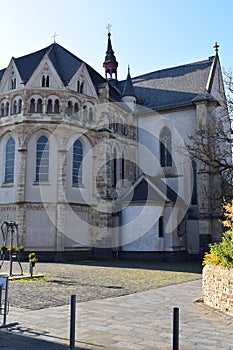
x=109, y=27
x=216, y=46
x=54, y=37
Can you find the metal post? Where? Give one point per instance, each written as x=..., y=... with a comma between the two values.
x=175, y=328
x=72, y=321
x=0, y=299
x=11, y=262
x=5, y=302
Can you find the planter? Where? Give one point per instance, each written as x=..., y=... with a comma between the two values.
x=217, y=288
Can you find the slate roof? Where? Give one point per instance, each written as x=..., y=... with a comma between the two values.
x=172, y=87
x=1, y=73
x=166, y=88
x=65, y=63
x=148, y=190
x=128, y=88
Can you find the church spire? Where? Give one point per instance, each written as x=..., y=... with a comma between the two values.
x=128, y=88
x=110, y=63
x=128, y=94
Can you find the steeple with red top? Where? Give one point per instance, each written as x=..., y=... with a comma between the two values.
x=110, y=64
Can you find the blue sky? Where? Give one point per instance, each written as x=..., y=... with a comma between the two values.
x=148, y=35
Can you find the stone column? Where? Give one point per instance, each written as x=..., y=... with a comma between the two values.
x=61, y=200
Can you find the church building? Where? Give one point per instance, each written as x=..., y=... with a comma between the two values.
x=94, y=167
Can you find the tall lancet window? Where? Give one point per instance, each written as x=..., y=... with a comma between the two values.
x=77, y=162
x=165, y=142
x=10, y=161
x=42, y=159
x=114, y=168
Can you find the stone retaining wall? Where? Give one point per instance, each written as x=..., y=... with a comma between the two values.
x=217, y=288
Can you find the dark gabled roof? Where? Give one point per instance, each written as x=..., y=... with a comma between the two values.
x=172, y=87
x=26, y=65
x=143, y=192
x=65, y=63
x=148, y=189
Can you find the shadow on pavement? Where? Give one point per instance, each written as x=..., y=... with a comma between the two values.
x=191, y=267
x=18, y=338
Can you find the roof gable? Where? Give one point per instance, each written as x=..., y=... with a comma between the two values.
x=27, y=64
x=215, y=84
x=65, y=63
x=11, y=72
x=149, y=190
x=45, y=68
x=83, y=75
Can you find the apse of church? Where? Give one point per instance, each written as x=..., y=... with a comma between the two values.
x=89, y=165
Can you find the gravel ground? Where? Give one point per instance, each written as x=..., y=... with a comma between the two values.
x=92, y=281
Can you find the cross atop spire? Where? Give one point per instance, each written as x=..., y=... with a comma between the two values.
x=109, y=26
x=216, y=46
x=54, y=37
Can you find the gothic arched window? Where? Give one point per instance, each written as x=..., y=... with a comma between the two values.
x=7, y=108
x=2, y=110
x=77, y=162
x=50, y=106
x=194, y=193
x=76, y=107
x=19, y=106
x=45, y=80
x=114, y=168
x=69, y=108
x=39, y=106
x=14, y=109
x=10, y=161
x=32, y=106
x=13, y=83
x=42, y=159
x=165, y=141
x=56, y=107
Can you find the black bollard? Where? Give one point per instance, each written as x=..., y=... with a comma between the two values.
x=72, y=321
x=175, y=328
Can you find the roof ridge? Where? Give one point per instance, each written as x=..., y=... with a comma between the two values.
x=35, y=52
x=69, y=52
x=210, y=59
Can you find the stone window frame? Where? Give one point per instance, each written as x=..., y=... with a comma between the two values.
x=9, y=167
x=42, y=155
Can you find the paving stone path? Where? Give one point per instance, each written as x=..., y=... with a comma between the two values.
x=141, y=321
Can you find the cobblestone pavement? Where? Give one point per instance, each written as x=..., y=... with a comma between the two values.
x=90, y=282
x=141, y=321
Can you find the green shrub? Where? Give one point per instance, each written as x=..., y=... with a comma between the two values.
x=222, y=253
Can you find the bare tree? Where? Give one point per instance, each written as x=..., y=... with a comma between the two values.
x=212, y=144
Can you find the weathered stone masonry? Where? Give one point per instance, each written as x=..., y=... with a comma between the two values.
x=217, y=288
